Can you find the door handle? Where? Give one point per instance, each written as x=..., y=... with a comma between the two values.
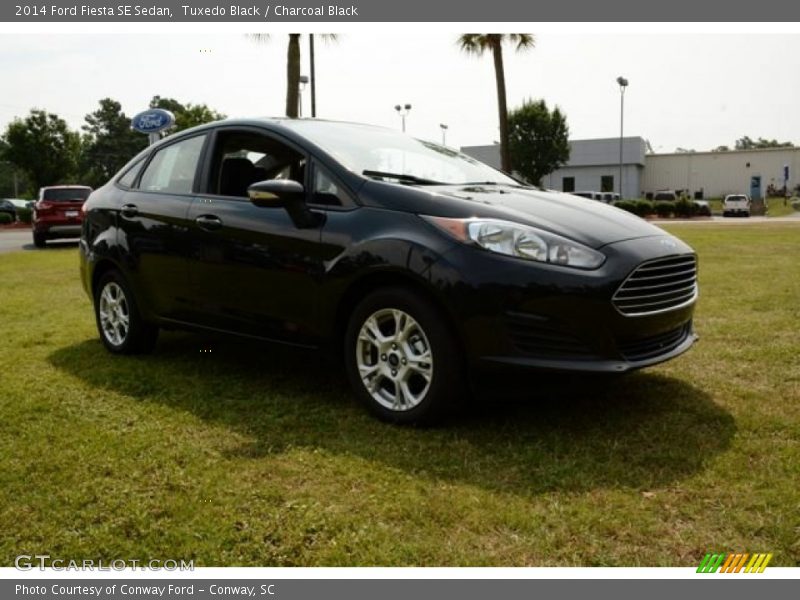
x=129, y=210
x=208, y=222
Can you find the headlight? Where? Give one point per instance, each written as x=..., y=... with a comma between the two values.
x=521, y=241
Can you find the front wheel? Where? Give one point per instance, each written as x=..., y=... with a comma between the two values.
x=402, y=360
x=119, y=322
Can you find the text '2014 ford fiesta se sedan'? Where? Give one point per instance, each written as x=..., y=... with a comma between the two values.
x=420, y=263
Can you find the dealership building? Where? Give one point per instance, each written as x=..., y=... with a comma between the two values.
x=594, y=165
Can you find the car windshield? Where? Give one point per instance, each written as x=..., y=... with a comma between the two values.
x=392, y=156
x=66, y=194
x=736, y=199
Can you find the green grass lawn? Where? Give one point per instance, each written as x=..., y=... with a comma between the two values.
x=252, y=455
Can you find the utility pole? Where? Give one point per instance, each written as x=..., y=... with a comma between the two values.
x=313, y=76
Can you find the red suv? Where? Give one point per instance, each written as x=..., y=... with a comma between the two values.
x=57, y=213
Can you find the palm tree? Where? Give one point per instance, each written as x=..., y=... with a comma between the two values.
x=293, y=70
x=477, y=44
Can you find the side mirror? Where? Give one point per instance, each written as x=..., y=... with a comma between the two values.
x=275, y=193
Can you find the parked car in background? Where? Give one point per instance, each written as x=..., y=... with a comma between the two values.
x=702, y=208
x=57, y=213
x=589, y=195
x=415, y=263
x=610, y=197
x=736, y=205
x=665, y=195
x=20, y=202
x=8, y=208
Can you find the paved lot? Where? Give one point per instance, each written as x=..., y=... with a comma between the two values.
x=20, y=239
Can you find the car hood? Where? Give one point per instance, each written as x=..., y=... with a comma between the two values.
x=587, y=221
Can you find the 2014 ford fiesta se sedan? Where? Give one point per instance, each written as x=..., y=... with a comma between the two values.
x=420, y=264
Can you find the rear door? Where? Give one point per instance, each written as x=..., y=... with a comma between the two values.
x=153, y=226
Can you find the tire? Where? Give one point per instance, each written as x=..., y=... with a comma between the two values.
x=413, y=362
x=119, y=323
x=39, y=239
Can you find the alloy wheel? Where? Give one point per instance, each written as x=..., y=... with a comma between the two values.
x=394, y=359
x=114, y=311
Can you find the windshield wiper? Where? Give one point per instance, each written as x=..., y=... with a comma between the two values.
x=401, y=177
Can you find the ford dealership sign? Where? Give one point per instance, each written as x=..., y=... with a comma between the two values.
x=153, y=120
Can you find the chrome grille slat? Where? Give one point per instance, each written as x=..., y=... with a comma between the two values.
x=670, y=266
x=682, y=290
x=677, y=300
x=658, y=285
x=662, y=276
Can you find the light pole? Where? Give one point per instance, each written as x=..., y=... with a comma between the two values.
x=444, y=133
x=300, y=87
x=623, y=83
x=403, y=112
x=313, y=76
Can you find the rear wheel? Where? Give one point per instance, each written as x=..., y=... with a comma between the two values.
x=119, y=322
x=39, y=239
x=401, y=359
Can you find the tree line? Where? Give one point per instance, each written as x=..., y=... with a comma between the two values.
x=41, y=149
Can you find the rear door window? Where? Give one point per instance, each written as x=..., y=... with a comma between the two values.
x=130, y=175
x=172, y=169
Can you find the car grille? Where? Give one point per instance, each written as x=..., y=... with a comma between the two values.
x=543, y=338
x=653, y=346
x=657, y=286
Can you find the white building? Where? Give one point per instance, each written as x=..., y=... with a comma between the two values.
x=719, y=173
x=594, y=166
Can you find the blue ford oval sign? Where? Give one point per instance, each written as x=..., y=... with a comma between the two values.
x=153, y=120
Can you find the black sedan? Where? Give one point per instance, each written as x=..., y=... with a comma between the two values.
x=7, y=207
x=420, y=264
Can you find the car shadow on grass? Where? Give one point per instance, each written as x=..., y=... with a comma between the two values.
x=641, y=431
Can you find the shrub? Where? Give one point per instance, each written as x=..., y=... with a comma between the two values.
x=683, y=208
x=665, y=208
x=24, y=215
x=628, y=205
x=796, y=205
x=644, y=208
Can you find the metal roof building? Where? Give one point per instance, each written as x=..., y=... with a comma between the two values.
x=594, y=166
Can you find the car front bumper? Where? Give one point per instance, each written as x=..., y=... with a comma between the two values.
x=516, y=313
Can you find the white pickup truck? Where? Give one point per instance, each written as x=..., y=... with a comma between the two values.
x=736, y=204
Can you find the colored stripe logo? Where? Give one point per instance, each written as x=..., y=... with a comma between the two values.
x=734, y=563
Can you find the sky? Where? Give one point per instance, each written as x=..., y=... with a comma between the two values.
x=688, y=90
